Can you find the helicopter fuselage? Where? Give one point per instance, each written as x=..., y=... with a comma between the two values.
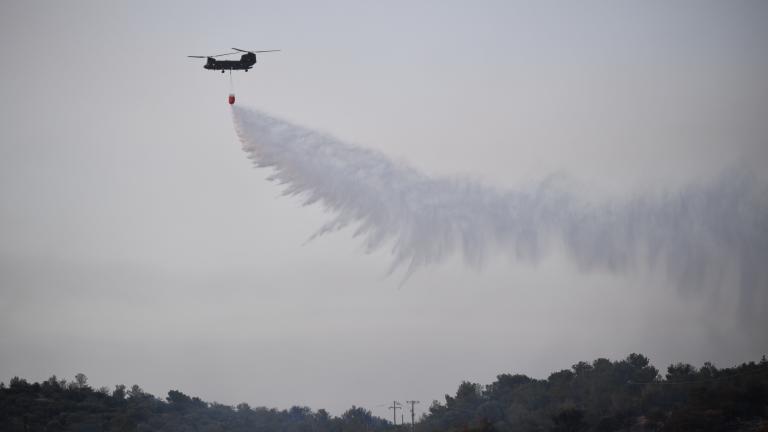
x=246, y=62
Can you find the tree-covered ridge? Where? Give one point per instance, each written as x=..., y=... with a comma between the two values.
x=58, y=405
x=604, y=395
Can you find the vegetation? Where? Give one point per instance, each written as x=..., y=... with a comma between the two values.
x=56, y=405
x=625, y=395
x=604, y=395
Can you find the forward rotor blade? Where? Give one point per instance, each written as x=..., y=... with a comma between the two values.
x=238, y=49
x=217, y=55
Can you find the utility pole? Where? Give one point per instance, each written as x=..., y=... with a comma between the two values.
x=413, y=416
x=395, y=406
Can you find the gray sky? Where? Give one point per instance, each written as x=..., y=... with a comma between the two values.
x=139, y=246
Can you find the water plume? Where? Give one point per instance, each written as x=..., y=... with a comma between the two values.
x=710, y=234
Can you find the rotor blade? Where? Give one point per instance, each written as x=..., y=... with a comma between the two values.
x=238, y=49
x=219, y=55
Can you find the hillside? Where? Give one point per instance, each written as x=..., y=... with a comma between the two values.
x=602, y=395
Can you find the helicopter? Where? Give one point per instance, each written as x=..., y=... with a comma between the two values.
x=246, y=61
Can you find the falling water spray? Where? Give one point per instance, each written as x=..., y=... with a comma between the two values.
x=698, y=235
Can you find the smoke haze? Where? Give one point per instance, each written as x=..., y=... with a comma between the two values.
x=704, y=236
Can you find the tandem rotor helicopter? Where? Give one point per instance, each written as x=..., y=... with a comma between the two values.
x=247, y=60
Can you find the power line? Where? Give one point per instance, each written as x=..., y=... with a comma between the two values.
x=395, y=406
x=413, y=416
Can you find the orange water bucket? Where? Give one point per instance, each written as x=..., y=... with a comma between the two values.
x=231, y=98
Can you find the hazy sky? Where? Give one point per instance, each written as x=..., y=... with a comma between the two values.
x=138, y=245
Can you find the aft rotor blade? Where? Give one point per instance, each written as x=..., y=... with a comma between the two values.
x=198, y=56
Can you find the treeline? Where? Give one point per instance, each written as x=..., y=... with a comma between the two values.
x=57, y=405
x=627, y=395
x=604, y=395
